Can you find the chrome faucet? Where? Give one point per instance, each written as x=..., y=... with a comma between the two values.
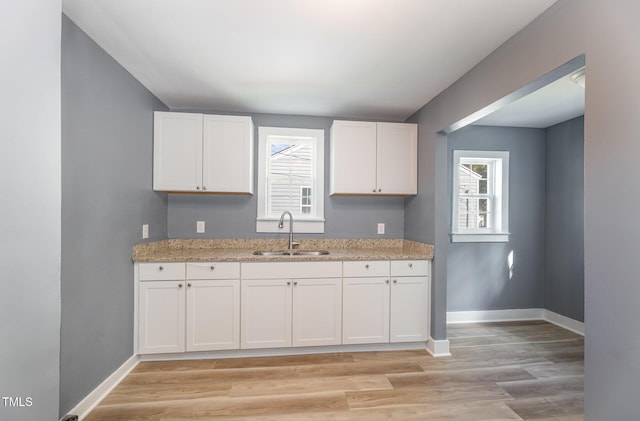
x=281, y=225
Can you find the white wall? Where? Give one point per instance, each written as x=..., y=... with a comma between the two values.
x=607, y=32
x=30, y=208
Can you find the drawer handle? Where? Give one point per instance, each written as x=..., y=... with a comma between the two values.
x=410, y=265
x=213, y=267
x=366, y=266
x=160, y=268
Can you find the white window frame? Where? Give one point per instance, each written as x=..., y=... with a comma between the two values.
x=269, y=223
x=498, y=231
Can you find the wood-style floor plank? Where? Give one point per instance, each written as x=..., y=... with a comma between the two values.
x=497, y=371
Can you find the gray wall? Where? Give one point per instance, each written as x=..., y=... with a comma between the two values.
x=230, y=216
x=30, y=208
x=564, y=219
x=607, y=33
x=107, y=123
x=478, y=276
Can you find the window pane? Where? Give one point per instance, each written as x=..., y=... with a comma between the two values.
x=290, y=171
x=482, y=186
x=293, y=160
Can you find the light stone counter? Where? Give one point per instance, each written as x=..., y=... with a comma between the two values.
x=189, y=250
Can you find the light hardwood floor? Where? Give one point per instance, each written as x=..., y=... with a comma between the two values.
x=498, y=371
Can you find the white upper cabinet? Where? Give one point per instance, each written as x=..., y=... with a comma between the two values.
x=397, y=157
x=369, y=158
x=202, y=153
x=177, y=151
x=227, y=165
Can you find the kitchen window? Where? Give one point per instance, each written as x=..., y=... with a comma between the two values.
x=480, y=207
x=290, y=178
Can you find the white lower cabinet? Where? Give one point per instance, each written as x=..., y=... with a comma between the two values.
x=210, y=306
x=410, y=297
x=365, y=310
x=213, y=315
x=161, y=317
x=266, y=313
x=299, y=310
x=378, y=309
x=317, y=312
x=178, y=315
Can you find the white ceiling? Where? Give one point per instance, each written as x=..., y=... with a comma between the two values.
x=554, y=103
x=374, y=59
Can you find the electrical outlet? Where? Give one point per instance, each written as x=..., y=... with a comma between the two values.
x=200, y=227
x=145, y=231
x=381, y=228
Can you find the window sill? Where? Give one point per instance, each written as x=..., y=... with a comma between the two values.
x=498, y=237
x=300, y=226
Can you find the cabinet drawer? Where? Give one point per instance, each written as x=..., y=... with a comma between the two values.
x=213, y=270
x=365, y=268
x=161, y=271
x=410, y=268
x=290, y=270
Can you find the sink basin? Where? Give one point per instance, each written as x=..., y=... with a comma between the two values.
x=311, y=253
x=272, y=253
x=289, y=253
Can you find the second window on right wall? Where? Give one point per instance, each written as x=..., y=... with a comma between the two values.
x=480, y=206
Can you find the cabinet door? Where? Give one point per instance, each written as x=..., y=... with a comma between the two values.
x=317, y=312
x=409, y=309
x=365, y=310
x=353, y=157
x=213, y=315
x=227, y=154
x=177, y=151
x=397, y=157
x=161, y=317
x=266, y=313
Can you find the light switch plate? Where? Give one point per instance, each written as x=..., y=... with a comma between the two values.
x=145, y=231
x=381, y=228
x=200, y=227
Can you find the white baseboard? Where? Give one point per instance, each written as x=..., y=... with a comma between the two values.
x=92, y=400
x=438, y=348
x=513, y=315
x=565, y=322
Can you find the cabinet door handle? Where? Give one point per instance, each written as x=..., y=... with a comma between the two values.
x=379, y=190
x=395, y=281
x=386, y=282
x=374, y=190
x=189, y=284
x=204, y=187
x=179, y=285
x=295, y=283
x=288, y=283
x=197, y=187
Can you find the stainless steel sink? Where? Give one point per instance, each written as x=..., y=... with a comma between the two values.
x=289, y=253
x=272, y=253
x=311, y=253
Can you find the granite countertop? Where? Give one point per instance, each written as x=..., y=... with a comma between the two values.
x=191, y=250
